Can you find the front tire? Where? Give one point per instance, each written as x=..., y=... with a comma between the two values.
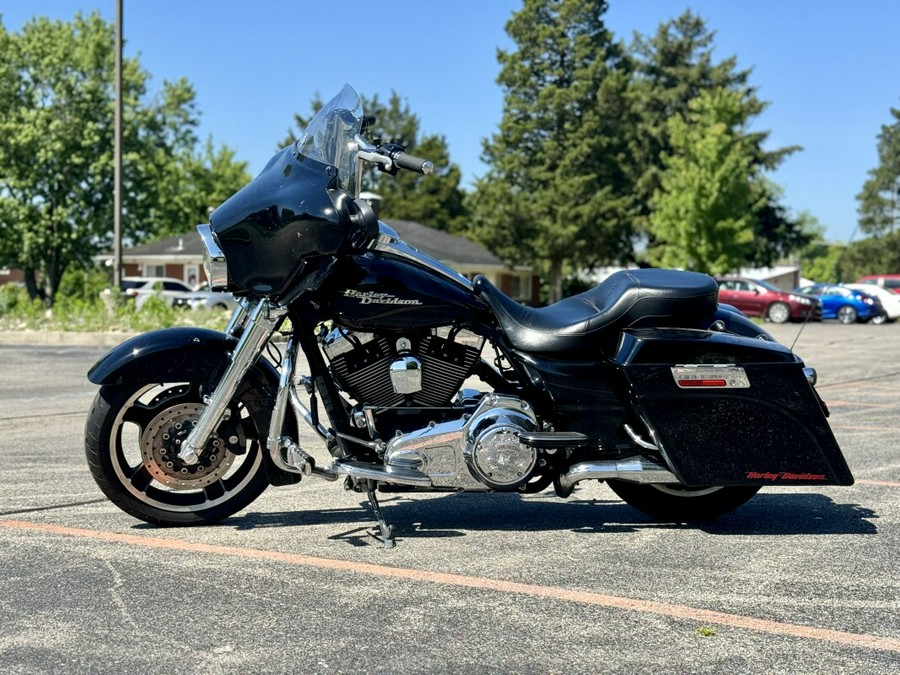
x=132, y=437
x=681, y=504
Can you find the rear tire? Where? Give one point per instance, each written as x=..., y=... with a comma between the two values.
x=132, y=437
x=681, y=504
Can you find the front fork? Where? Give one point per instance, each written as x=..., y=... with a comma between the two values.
x=258, y=321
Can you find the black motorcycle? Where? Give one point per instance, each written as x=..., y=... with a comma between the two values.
x=683, y=406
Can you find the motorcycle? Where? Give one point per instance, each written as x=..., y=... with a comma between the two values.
x=684, y=407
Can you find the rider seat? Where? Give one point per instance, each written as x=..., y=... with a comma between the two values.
x=629, y=298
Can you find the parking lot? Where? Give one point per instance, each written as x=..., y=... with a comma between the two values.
x=799, y=580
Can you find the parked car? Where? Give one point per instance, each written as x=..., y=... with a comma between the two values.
x=141, y=289
x=888, y=281
x=844, y=304
x=203, y=298
x=755, y=297
x=890, y=302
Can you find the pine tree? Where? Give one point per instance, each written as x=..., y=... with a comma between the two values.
x=554, y=193
x=879, y=201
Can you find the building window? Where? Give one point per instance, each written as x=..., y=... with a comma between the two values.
x=154, y=270
x=517, y=288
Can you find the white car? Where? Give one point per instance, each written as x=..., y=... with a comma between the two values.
x=203, y=298
x=141, y=289
x=890, y=301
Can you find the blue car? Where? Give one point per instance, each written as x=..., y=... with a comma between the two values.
x=844, y=304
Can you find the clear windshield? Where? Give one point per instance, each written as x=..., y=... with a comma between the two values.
x=330, y=136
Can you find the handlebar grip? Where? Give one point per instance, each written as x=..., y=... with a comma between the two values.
x=412, y=163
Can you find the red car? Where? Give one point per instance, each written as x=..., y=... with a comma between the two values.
x=888, y=281
x=760, y=298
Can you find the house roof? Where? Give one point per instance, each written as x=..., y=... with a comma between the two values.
x=447, y=248
x=188, y=244
x=443, y=246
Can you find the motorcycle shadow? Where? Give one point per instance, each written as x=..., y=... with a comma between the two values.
x=456, y=514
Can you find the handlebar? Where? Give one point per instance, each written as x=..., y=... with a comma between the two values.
x=409, y=162
x=391, y=157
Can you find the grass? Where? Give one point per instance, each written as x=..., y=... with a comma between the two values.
x=93, y=314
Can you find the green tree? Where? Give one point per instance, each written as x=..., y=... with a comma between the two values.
x=436, y=200
x=56, y=150
x=879, y=201
x=703, y=212
x=873, y=255
x=671, y=69
x=555, y=194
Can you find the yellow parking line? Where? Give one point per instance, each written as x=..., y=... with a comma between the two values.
x=671, y=610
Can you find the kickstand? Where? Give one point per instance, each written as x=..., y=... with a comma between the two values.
x=386, y=535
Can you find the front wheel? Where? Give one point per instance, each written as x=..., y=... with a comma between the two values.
x=132, y=438
x=878, y=319
x=679, y=503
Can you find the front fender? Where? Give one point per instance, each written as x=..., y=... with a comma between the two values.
x=189, y=355
x=190, y=352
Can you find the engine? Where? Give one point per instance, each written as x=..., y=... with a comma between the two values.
x=471, y=446
x=478, y=452
x=416, y=370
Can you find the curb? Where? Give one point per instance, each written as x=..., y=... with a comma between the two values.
x=32, y=338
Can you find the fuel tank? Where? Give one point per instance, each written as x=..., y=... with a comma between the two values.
x=384, y=291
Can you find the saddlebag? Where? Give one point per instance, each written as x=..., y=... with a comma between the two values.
x=729, y=410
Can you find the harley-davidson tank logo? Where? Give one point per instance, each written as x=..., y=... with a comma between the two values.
x=783, y=475
x=373, y=298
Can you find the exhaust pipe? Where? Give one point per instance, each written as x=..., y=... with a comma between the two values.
x=632, y=469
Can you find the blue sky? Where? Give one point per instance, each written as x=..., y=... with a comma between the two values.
x=830, y=70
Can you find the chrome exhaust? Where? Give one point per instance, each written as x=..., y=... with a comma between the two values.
x=631, y=469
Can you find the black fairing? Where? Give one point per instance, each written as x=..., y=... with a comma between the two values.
x=276, y=226
x=376, y=291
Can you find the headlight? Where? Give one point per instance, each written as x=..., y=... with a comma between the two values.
x=801, y=300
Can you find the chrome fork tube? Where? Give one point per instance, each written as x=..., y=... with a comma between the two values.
x=263, y=319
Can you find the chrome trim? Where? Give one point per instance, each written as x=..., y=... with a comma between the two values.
x=282, y=398
x=382, y=474
x=213, y=259
x=632, y=469
x=406, y=375
x=637, y=439
x=388, y=241
x=811, y=376
x=264, y=319
x=238, y=318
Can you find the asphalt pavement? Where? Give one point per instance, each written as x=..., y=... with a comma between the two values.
x=799, y=580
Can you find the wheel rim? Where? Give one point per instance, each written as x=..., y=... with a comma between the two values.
x=846, y=315
x=140, y=453
x=779, y=313
x=684, y=491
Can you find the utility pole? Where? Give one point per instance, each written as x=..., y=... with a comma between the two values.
x=117, y=178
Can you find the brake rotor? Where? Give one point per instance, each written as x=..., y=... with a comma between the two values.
x=164, y=436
